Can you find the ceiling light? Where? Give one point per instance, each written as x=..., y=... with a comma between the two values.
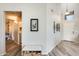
x=15, y=21
x=12, y=17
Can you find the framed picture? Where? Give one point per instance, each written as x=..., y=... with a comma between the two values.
x=34, y=25
x=58, y=27
x=54, y=26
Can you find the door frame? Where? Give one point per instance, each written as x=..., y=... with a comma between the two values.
x=20, y=40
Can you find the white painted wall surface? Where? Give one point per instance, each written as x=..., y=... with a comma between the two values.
x=28, y=11
x=35, y=38
x=53, y=39
x=45, y=37
x=68, y=26
x=2, y=33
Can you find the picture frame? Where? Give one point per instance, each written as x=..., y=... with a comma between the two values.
x=58, y=27
x=34, y=25
x=54, y=27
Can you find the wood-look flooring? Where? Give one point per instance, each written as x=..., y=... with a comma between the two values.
x=65, y=48
x=12, y=49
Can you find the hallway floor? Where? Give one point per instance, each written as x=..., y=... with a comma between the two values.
x=65, y=48
x=12, y=49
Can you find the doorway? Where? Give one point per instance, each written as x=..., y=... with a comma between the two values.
x=13, y=31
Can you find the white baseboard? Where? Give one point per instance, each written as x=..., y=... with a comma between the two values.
x=44, y=53
x=2, y=53
x=52, y=47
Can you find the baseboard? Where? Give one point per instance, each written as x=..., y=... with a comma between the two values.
x=44, y=53
x=2, y=53
x=52, y=47
x=50, y=50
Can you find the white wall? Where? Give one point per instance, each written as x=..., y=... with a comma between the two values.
x=53, y=39
x=70, y=27
x=44, y=38
x=34, y=38
x=28, y=11
x=76, y=26
x=2, y=38
x=67, y=28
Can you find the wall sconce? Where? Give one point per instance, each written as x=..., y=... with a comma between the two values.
x=69, y=12
x=69, y=15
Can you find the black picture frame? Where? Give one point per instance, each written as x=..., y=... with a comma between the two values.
x=34, y=25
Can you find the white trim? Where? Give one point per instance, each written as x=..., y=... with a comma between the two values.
x=44, y=53
x=3, y=53
x=52, y=47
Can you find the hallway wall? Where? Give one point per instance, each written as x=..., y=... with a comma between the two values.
x=45, y=38
x=53, y=14
x=28, y=11
x=70, y=28
x=34, y=39
x=2, y=33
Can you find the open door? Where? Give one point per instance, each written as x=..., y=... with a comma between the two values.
x=13, y=31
